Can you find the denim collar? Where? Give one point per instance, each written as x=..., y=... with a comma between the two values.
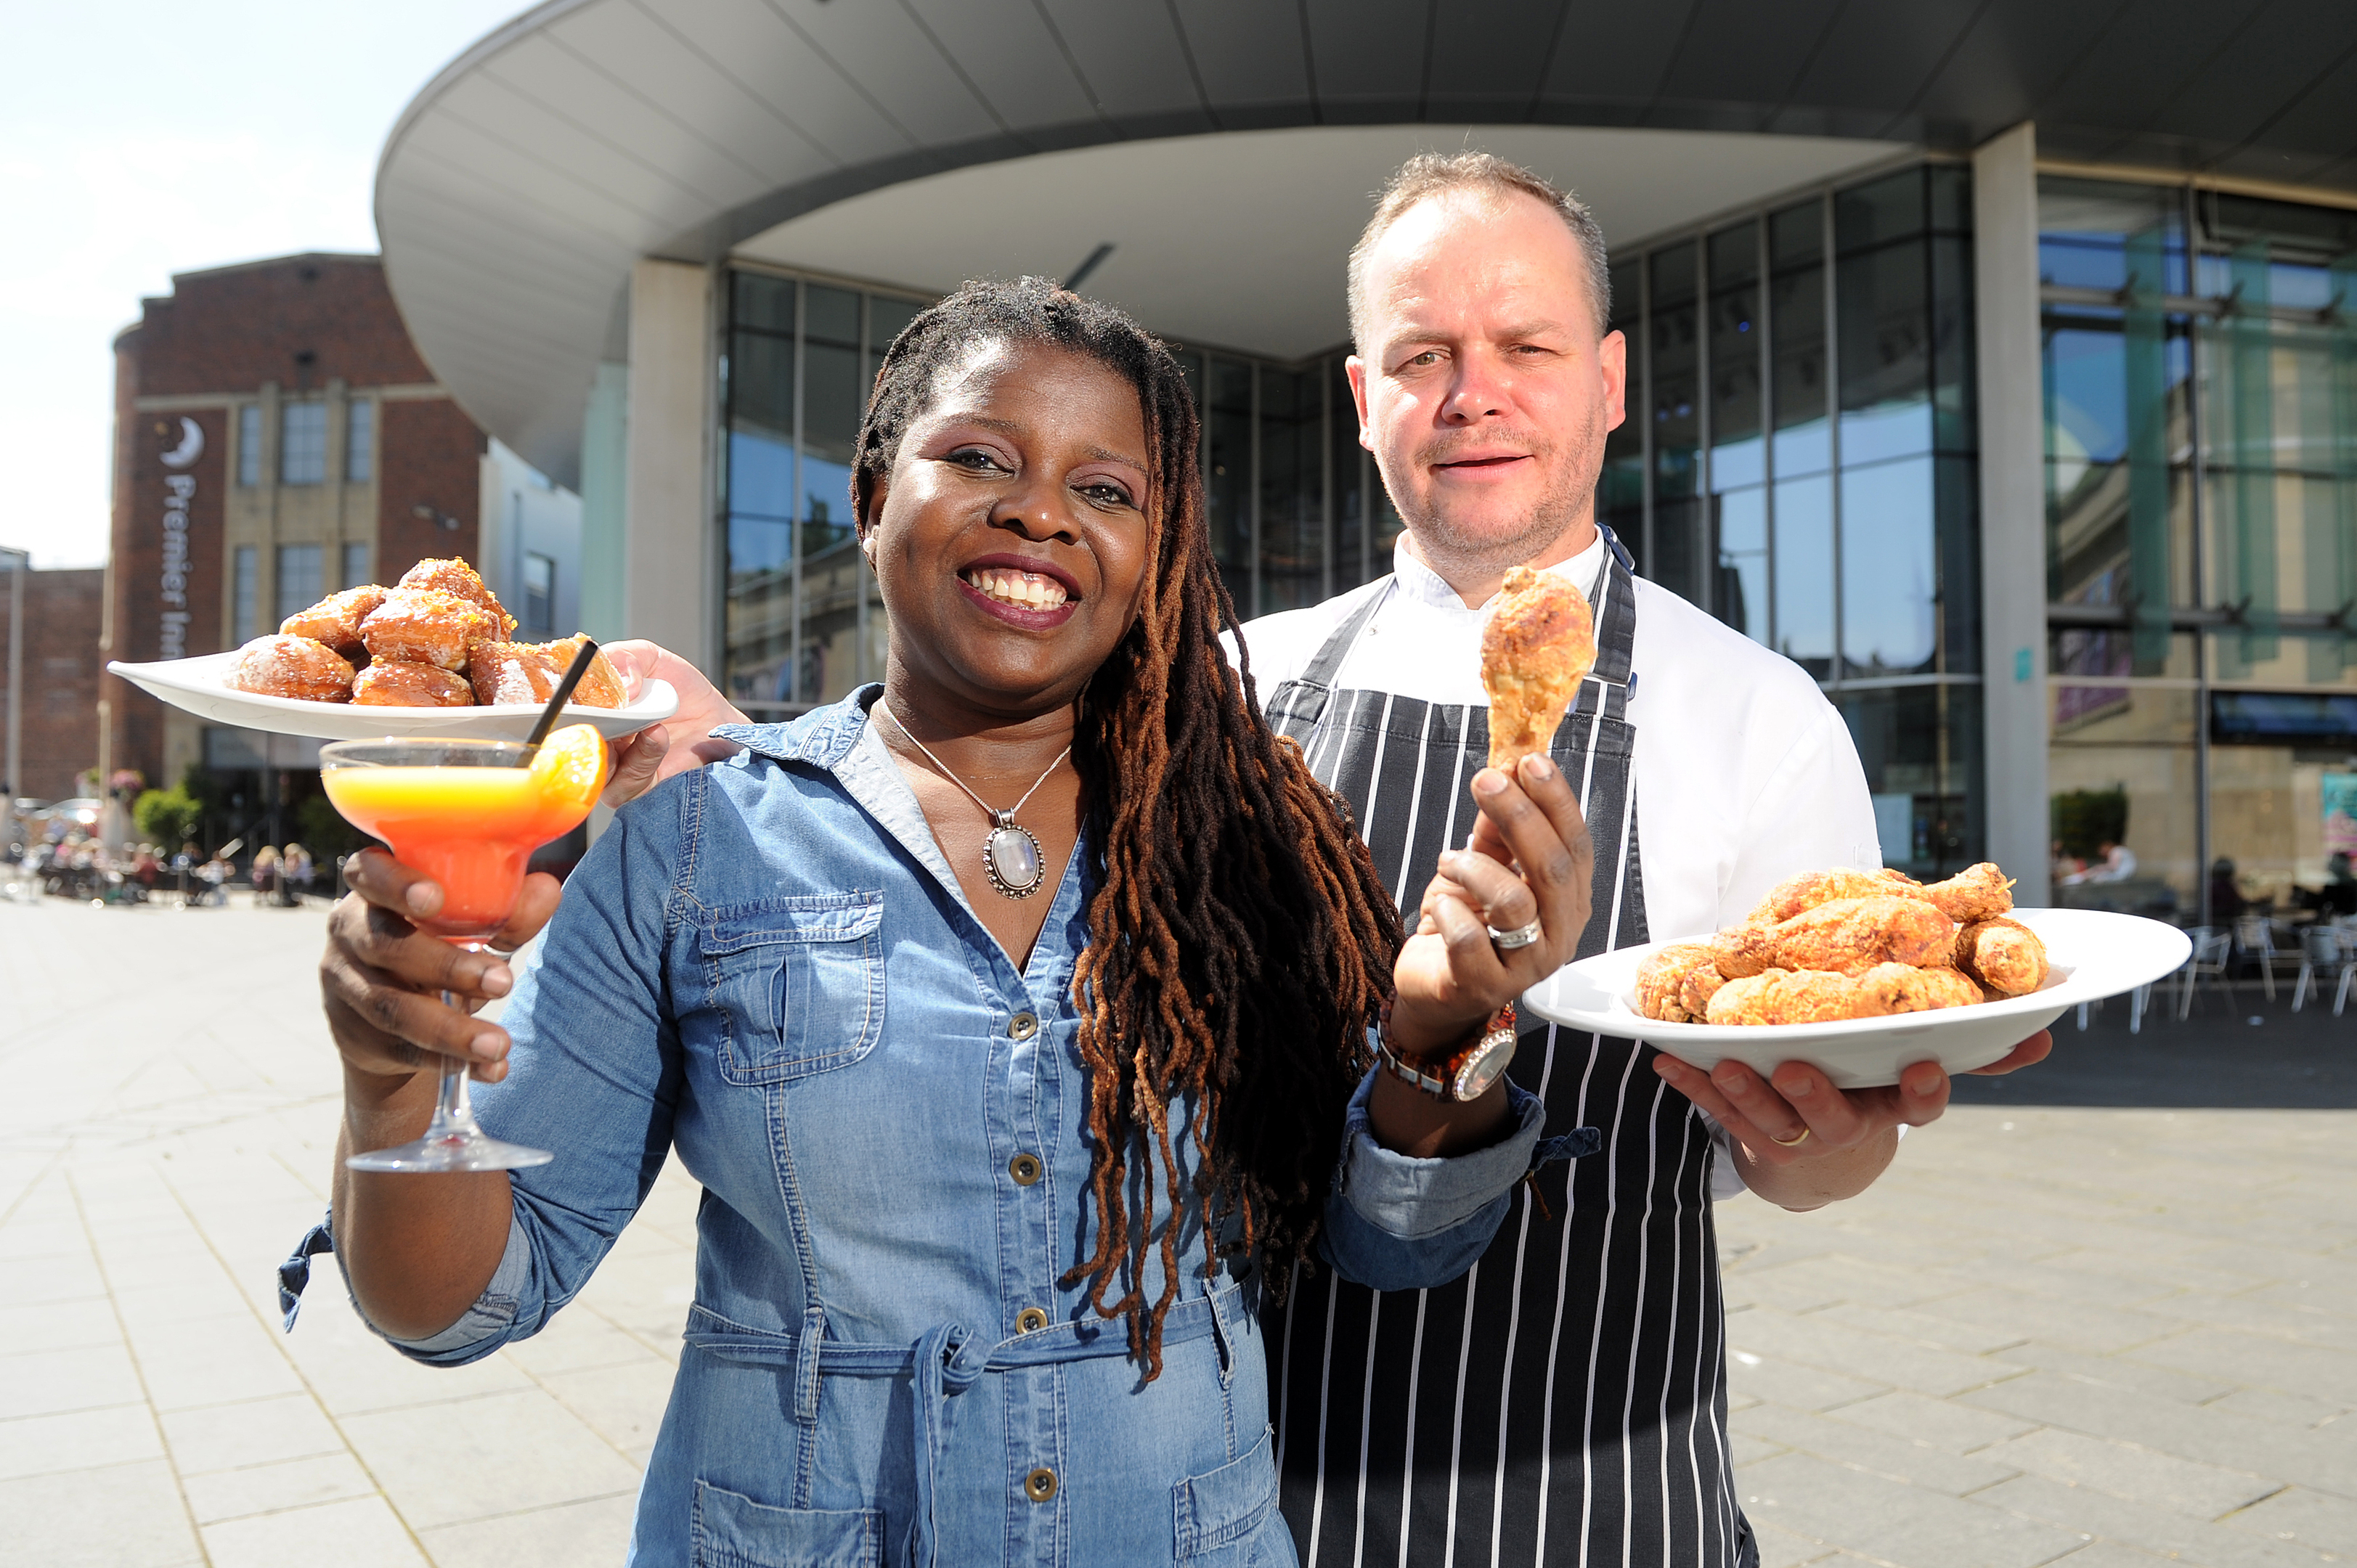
x=822, y=738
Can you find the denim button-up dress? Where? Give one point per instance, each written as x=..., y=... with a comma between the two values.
x=768, y=965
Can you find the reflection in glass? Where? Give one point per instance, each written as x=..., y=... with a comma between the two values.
x=1227, y=490
x=2084, y=228
x=2121, y=754
x=1922, y=750
x=1885, y=360
x=1735, y=341
x=1674, y=399
x=1879, y=211
x=1352, y=547
x=1796, y=301
x=1889, y=572
x=1805, y=572
x=1292, y=502
x=1740, y=596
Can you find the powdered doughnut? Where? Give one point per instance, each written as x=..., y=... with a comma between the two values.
x=427, y=625
x=389, y=685
x=299, y=667
x=451, y=575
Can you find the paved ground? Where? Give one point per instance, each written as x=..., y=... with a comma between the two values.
x=2093, y=1316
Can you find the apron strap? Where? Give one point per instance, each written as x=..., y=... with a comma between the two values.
x=1304, y=694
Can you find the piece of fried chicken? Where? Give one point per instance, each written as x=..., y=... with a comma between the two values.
x=1977, y=893
x=1538, y=646
x=1846, y=936
x=2003, y=955
x=1675, y=985
x=1818, y=996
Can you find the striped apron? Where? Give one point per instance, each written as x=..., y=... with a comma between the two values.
x=1565, y=1400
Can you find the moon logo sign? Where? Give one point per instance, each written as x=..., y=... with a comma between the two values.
x=191, y=446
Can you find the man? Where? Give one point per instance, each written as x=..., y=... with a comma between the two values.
x=1565, y=1401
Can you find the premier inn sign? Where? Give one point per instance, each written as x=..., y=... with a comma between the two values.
x=179, y=488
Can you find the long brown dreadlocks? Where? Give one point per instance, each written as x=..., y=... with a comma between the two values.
x=1240, y=941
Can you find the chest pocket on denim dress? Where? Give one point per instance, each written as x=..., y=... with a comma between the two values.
x=797, y=982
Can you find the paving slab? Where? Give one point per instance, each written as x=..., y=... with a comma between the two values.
x=2080, y=1313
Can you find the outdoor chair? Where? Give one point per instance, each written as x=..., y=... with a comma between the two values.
x=2327, y=948
x=2254, y=939
x=2212, y=951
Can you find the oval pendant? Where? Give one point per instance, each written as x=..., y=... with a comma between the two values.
x=1012, y=859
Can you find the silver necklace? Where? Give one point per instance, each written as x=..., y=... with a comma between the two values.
x=1011, y=855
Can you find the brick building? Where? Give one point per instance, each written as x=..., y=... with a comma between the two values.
x=276, y=438
x=60, y=678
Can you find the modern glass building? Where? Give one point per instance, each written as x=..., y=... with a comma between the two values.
x=2006, y=393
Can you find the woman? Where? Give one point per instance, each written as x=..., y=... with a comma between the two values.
x=1027, y=994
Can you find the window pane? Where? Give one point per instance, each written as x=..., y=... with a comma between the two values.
x=1886, y=209
x=765, y=304
x=300, y=578
x=1351, y=544
x=1921, y=749
x=1889, y=568
x=1740, y=597
x=303, y=443
x=1227, y=431
x=360, y=440
x=1796, y=236
x=1737, y=456
x=356, y=565
x=1292, y=516
x=2118, y=237
x=1676, y=393
x=539, y=596
x=245, y=593
x=761, y=427
x=887, y=318
x=249, y=443
x=1678, y=551
x=835, y=392
x=1805, y=572
x=1885, y=360
x=762, y=499
x=1796, y=302
x=760, y=610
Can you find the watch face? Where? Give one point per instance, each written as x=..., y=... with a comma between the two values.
x=1481, y=1070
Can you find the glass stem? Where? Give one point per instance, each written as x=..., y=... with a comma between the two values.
x=454, y=1112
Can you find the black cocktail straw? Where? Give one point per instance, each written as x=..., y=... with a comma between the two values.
x=564, y=689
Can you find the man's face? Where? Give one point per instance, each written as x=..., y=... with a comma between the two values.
x=1483, y=388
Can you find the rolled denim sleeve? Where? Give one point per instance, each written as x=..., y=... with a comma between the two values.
x=594, y=1076
x=1394, y=1222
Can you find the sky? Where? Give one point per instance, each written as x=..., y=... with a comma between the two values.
x=138, y=140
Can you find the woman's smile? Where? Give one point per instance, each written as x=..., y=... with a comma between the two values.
x=1021, y=593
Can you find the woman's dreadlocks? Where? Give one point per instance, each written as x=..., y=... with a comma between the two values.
x=1240, y=941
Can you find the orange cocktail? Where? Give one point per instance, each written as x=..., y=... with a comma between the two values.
x=468, y=813
x=470, y=829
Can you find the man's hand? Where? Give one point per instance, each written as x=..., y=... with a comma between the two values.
x=682, y=741
x=382, y=977
x=1531, y=860
x=1803, y=1144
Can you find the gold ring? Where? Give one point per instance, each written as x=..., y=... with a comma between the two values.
x=1791, y=1143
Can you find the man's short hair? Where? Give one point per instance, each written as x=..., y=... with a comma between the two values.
x=1429, y=175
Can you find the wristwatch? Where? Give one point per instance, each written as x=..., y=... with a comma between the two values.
x=1464, y=1073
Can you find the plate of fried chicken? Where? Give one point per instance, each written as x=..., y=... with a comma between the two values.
x=430, y=656
x=1862, y=974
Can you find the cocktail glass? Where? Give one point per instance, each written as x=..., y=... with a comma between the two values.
x=468, y=813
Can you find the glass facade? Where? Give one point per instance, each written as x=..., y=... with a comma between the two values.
x=2201, y=392
x=1800, y=461
x=1295, y=511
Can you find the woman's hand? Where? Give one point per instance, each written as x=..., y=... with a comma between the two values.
x=382, y=977
x=682, y=741
x=1450, y=976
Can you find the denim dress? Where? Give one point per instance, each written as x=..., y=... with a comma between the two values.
x=768, y=965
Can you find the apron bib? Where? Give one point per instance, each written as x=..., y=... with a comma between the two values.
x=1565, y=1401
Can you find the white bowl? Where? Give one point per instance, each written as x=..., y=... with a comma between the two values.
x=202, y=686
x=2091, y=955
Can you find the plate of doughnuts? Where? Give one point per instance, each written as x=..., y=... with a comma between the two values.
x=1864, y=984
x=430, y=656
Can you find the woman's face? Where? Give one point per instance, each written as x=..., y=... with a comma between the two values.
x=1010, y=540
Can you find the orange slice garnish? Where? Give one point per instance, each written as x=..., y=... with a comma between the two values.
x=569, y=770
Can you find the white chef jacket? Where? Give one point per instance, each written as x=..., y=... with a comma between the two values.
x=1745, y=774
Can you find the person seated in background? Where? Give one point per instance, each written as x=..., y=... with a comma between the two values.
x=2226, y=900
x=2068, y=867
x=2339, y=894
x=2113, y=863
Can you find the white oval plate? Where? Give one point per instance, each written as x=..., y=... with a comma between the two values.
x=200, y=686
x=2091, y=955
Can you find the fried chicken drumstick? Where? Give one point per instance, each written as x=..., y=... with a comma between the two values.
x=1539, y=645
x=1818, y=996
x=1848, y=936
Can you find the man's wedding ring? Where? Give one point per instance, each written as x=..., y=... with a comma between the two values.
x=1791, y=1143
x=1520, y=937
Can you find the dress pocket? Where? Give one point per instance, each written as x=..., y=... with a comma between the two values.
x=798, y=983
x=1218, y=1516
x=732, y=1530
